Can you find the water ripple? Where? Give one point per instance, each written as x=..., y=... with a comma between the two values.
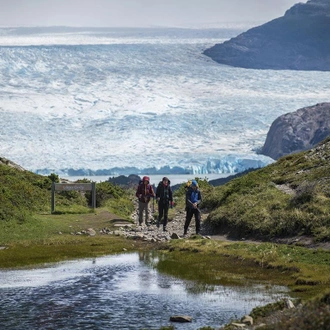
x=117, y=292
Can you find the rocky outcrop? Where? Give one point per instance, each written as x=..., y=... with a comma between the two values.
x=298, y=131
x=8, y=162
x=126, y=181
x=299, y=40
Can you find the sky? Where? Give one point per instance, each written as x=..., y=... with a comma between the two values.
x=138, y=13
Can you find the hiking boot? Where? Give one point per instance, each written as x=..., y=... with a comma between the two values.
x=164, y=229
x=157, y=223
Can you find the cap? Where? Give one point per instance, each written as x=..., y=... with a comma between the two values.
x=194, y=183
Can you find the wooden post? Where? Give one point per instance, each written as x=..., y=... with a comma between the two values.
x=93, y=195
x=53, y=198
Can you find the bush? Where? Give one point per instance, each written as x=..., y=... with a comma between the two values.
x=304, y=194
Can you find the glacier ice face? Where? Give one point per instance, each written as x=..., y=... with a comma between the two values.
x=117, y=99
x=227, y=164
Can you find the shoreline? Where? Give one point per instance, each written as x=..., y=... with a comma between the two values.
x=155, y=178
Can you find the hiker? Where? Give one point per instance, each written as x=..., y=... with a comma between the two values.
x=164, y=199
x=144, y=192
x=193, y=199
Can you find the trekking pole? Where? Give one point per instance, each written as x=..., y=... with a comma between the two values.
x=193, y=204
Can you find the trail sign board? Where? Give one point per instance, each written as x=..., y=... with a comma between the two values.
x=76, y=187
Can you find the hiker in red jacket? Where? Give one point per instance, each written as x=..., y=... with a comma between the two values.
x=144, y=192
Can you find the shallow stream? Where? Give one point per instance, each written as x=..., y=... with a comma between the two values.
x=119, y=292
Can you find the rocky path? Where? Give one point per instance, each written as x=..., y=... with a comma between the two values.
x=175, y=231
x=152, y=233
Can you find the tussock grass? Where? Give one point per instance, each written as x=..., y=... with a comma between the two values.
x=254, y=205
x=315, y=314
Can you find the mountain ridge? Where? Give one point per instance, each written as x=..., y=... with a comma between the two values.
x=295, y=41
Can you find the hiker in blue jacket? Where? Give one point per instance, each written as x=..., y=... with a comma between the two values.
x=193, y=199
x=164, y=199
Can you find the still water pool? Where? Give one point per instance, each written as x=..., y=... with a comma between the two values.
x=119, y=292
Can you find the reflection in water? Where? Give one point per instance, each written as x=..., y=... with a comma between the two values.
x=118, y=292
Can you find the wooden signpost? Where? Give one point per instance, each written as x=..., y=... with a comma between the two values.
x=73, y=186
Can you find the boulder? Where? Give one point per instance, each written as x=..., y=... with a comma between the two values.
x=181, y=318
x=298, y=131
x=247, y=319
x=91, y=232
x=299, y=40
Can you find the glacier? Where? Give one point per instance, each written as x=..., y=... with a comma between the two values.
x=121, y=101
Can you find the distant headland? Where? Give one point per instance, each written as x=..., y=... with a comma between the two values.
x=299, y=40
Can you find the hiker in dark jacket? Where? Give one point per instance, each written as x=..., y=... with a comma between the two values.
x=144, y=193
x=193, y=199
x=164, y=199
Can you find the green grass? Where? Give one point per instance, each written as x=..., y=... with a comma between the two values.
x=55, y=250
x=55, y=237
x=305, y=271
x=254, y=206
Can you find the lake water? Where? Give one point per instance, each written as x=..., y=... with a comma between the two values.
x=174, y=178
x=119, y=292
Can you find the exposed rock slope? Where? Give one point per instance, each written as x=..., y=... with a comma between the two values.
x=298, y=131
x=8, y=162
x=299, y=40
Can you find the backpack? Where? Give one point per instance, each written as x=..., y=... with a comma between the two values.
x=140, y=190
x=187, y=185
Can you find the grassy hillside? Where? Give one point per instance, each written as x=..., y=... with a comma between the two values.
x=288, y=198
x=32, y=235
x=23, y=194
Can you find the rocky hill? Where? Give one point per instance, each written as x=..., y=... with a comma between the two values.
x=298, y=131
x=299, y=40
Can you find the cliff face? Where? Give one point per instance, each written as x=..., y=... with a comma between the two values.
x=300, y=40
x=298, y=131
